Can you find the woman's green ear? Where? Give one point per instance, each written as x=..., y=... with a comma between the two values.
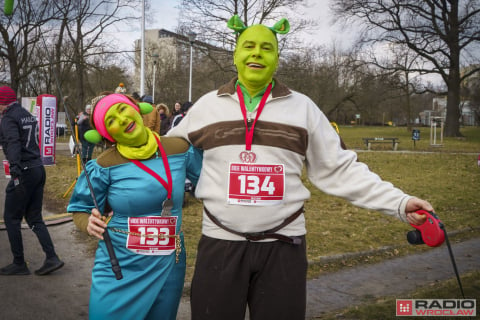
x=145, y=107
x=92, y=136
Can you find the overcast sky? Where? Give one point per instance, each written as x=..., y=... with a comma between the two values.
x=164, y=14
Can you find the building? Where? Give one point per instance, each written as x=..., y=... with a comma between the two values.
x=170, y=53
x=439, y=111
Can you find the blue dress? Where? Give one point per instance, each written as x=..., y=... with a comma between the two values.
x=152, y=285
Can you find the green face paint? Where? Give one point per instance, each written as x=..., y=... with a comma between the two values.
x=125, y=125
x=256, y=58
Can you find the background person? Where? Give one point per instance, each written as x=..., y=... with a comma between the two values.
x=176, y=119
x=177, y=111
x=24, y=192
x=121, y=88
x=252, y=250
x=83, y=123
x=151, y=119
x=141, y=179
x=164, y=113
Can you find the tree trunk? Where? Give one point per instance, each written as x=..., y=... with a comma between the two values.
x=452, y=123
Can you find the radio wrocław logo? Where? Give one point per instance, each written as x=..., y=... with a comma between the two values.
x=437, y=307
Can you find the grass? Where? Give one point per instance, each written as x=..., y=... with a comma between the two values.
x=385, y=307
x=470, y=143
x=447, y=176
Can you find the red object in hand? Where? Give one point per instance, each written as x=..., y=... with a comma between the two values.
x=432, y=229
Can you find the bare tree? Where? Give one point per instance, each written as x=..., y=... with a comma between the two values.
x=208, y=18
x=53, y=46
x=399, y=61
x=20, y=39
x=443, y=33
x=83, y=30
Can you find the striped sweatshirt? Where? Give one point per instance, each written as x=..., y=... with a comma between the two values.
x=291, y=131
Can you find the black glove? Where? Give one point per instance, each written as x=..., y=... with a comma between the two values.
x=15, y=172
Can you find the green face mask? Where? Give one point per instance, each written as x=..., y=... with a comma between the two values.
x=256, y=57
x=125, y=125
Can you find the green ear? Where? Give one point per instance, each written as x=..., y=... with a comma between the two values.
x=93, y=136
x=145, y=107
x=236, y=24
x=282, y=26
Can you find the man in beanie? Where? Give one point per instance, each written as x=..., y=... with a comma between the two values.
x=24, y=192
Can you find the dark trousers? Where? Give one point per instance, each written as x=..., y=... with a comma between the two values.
x=269, y=277
x=87, y=151
x=25, y=200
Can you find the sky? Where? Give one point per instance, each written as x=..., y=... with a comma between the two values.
x=164, y=15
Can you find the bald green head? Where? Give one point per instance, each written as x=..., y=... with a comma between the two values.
x=256, y=57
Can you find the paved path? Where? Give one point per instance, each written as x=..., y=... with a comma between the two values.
x=65, y=293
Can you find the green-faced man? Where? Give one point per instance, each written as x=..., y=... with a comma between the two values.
x=258, y=138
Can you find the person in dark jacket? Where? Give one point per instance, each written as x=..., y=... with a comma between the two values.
x=83, y=123
x=185, y=106
x=24, y=192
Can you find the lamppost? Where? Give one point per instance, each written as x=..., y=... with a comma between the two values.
x=155, y=60
x=191, y=37
x=142, y=53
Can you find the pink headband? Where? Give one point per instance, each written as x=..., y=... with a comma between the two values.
x=103, y=106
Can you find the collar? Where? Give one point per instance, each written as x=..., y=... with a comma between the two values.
x=278, y=91
x=8, y=107
x=141, y=152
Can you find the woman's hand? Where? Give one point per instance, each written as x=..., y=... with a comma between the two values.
x=96, y=224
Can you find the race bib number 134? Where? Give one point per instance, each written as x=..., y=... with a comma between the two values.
x=256, y=184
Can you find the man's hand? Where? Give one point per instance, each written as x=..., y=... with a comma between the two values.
x=97, y=224
x=413, y=205
x=15, y=173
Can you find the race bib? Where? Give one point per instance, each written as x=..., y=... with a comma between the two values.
x=256, y=184
x=152, y=235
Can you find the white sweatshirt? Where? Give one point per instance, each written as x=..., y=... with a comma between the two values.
x=291, y=131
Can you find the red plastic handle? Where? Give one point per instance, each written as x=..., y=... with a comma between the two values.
x=432, y=233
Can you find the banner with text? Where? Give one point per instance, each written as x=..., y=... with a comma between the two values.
x=46, y=115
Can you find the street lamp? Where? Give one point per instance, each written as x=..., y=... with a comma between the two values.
x=142, y=53
x=155, y=60
x=191, y=37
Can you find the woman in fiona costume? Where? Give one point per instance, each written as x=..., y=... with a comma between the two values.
x=141, y=180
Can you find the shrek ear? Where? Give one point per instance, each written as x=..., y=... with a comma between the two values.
x=236, y=24
x=92, y=136
x=145, y=107
x=282, y=26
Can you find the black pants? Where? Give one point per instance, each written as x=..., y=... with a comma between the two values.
x=269, y=277
x=25, y=200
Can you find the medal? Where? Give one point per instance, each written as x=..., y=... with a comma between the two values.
x=167, y=207
x=248, y=156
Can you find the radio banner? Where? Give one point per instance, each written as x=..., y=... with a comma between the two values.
x=46, y=116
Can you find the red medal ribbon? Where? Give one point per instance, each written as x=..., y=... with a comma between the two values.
x=167, y=186
x=249, y=133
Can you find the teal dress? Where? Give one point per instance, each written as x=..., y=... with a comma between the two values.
x=152, y=285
